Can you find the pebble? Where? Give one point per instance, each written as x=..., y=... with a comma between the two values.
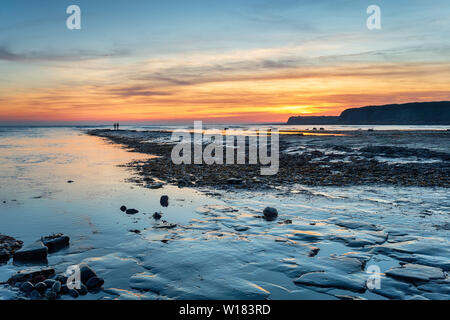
x=73, y=293
x=41, y=287
x=51, y=295
x=35, y=295
x=83, y=290
x=27, y=287
x=56, y=287
x=94, y=282
x=270, y=214
x=157, y=216
x=49, y=283
x=64, y=289
x=164, y=201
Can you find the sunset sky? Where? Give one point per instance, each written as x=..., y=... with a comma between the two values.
x=218, y=61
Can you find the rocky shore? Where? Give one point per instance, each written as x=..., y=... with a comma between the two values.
x=267, y=240
x=308, y=158
x=37, y=283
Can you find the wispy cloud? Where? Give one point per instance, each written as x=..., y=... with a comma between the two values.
x=6, y=54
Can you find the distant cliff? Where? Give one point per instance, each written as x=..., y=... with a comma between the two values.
x=408, y=113
x=437, y=113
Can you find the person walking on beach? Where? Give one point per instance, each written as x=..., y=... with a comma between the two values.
x=117, y=126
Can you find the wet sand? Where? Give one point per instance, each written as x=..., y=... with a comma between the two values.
x=219, y=246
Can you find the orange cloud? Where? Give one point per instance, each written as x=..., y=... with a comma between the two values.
x=223, y=88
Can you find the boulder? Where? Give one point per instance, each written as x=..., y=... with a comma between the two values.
x=131, y=211
x=123, y=208
x=270, y=214
x=94, y=283
x=86, y=273
x=56, y=242
x=34, y=252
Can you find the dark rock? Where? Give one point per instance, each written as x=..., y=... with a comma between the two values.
x=157, y=216
x=50, y=295
x=155, y=186
x=270, y=214
x=183, y=183
x=73, y=293
x=31, y=276
x=70, y=181
x=27, y=287
x=61, y=278
x=83, y=290
x=234, y=181
x=314, y=251
x=135, y=231
x=131, y=211
x=64, y=289
x=41, y=287
x=34, y=252
x=8, y=246
x=240, y=228
x=49, y=283
x=123, y=208
x=56, y=287
x=164, y=201
x=35, y=295
x=94, y=282
x=86, y=273
x=165, y=225
x=56, y=242
x=4, y=255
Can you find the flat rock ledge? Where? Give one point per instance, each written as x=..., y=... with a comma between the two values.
x=415, y=273
x=34, y=252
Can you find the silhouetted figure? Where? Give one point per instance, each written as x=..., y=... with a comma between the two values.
x=115, y=126
x=118, y=126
